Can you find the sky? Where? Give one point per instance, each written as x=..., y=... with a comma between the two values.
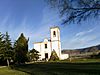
x=34, y=18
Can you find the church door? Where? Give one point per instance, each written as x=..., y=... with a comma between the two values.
x=46, y=55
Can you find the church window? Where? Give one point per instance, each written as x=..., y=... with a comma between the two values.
x=54, y=33
x=45, y=46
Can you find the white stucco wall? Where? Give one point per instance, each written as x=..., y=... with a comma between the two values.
x=56, y=46
x=41, y=48
x=45, y=50
x=37, y=46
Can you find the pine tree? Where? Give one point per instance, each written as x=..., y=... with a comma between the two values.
x=21, y=49
x=1, y=47
x=8, y=51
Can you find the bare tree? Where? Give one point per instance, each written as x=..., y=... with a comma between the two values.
x=75, y=11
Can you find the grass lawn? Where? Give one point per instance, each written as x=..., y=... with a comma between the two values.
x=8, y=71
x=53, y=68
x=58, y=68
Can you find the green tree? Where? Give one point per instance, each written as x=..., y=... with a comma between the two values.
x=33, y=55
x=1, y=47
x=76, y=10
x=8, y=50
x=53, y=56
x=21, y=49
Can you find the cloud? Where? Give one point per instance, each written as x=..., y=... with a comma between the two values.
x=83, y=38
x=74, y=43
x=84, y=32
x=80, y=40
x=4, y=20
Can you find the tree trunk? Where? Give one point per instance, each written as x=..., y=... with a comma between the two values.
x=8, y=62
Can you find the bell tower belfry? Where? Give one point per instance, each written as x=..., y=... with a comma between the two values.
x=55, y=40
x=55, y=34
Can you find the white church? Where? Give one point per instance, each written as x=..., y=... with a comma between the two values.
x=48, y=45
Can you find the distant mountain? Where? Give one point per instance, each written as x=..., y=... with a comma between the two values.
x=90, y=49
x=84, y=50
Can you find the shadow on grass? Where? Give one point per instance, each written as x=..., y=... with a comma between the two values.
x=60, y=68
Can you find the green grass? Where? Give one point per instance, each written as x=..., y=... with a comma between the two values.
x=61, y=68
x=54, y=68
x=82, y=61
x=8, y=71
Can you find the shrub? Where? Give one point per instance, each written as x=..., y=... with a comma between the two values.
x=54, y=56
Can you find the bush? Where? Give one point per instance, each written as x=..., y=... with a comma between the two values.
x=54, y=56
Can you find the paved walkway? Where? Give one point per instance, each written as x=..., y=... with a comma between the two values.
x=2, y=66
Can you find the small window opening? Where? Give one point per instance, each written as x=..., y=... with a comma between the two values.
x=54, y=33
x=45, y=46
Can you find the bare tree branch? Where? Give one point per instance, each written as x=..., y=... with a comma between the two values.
x=76, y=10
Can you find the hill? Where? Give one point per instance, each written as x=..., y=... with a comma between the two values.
x=91, y=49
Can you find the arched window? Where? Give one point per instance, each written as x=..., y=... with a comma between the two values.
x=54, y=33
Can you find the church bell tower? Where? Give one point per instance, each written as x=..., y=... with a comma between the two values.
x=55, y=40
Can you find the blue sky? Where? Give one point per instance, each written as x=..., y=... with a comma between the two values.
x=34, y=18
